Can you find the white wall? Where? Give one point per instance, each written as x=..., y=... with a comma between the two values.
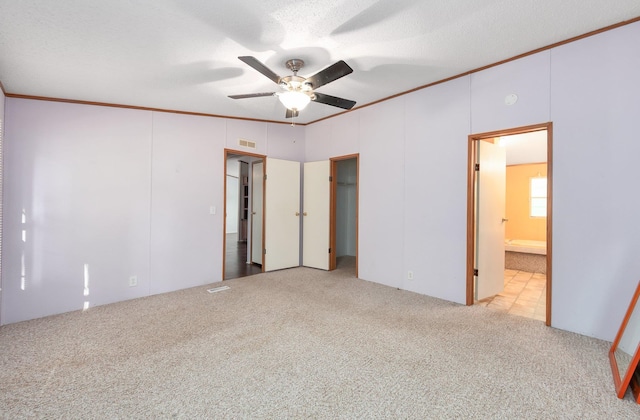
x=381, y=243
x=435, y=186
x=335, y=137
x=285, y=142
x=187, y=180
x=528, y=78
x=413, y=154
x=80, y=175
x=595, y=91
x=124, y=192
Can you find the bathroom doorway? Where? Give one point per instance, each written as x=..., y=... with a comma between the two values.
x=509, y=221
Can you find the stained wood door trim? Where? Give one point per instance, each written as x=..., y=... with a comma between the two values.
x=471, y=179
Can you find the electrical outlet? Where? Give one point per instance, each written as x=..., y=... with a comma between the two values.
x=410, y=275
x=133, y=281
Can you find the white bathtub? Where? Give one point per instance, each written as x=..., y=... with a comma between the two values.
x=526, y=246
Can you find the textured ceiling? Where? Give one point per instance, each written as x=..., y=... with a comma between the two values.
x=525, y=148
x=182, y=54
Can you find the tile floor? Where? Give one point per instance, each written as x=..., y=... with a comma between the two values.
x=524, y=294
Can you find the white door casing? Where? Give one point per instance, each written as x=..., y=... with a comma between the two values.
x=257, y=176
x=490, y=221
x=316, y=216
x=282, y=214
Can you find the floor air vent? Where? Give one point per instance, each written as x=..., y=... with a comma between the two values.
x=247, y=143
x=218, y=289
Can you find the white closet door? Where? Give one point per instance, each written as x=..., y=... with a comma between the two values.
x=490, y=219
x=282, y=214
x=257, y=176
x=316, y=216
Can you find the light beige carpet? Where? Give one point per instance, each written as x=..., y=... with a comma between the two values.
x=301, y=343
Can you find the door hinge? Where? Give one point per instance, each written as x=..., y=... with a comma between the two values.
x=477, y=166
x=265, y=177
x=475, y=271
x=329, y=250
x=330, y=179
x=264, y=251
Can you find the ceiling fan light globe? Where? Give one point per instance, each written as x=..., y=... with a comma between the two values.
x=294, y=100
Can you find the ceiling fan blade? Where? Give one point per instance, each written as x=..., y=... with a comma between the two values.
x=291, y=113
x=253, y=62
x=252, y=95
x=333, y=101
x=331, y=73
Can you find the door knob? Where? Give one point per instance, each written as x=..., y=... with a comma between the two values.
x=504, y=220
x=253, y=212
x=297, y=213
x=304, y=214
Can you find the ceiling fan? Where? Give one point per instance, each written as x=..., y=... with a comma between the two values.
x=298, y=91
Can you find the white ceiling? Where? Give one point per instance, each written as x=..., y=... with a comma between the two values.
x=182, y=54
x=525, y=148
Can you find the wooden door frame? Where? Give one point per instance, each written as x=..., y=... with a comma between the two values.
x=228, y=152
x=471, y=197
x=333, y=206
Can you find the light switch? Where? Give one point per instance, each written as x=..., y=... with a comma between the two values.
x=212, y=210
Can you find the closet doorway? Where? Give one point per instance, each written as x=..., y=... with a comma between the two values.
x=344, y=213
x=330, y=214
x=509, y=221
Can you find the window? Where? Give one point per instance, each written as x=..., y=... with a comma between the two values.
x=538, y=197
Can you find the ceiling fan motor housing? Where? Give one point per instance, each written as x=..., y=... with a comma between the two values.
x=295, y=83
x=294, y=64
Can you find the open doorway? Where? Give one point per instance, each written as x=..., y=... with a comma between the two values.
x=330, y=216
x=344, y=213
x=243, y=204
x=509, y=221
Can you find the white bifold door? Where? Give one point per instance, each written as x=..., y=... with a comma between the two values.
x=316, y=215
x=490, y=219
x=282, y=214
